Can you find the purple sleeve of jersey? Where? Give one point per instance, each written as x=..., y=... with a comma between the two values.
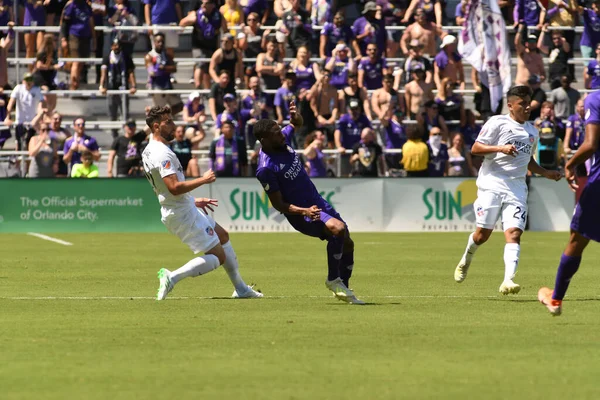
x=267, y=179
x=68, y=144
x=92, y=145
x=326, y=29
x=592, y=110
x=218, y=122
x=288, y=133
x=458, y=11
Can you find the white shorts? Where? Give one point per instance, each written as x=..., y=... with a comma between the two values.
x=489, y=205
x=171, y=38
x=195, y=229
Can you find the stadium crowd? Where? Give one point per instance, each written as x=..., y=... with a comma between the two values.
x=389, y=101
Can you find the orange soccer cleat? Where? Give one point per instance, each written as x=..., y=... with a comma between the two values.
x=545, y=297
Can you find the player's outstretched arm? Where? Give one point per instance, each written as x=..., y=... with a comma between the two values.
x=176, y=187
x=535, y=168
x=480, y=149
x=280, y=205
x=296, y=119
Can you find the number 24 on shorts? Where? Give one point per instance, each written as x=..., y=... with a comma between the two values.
x=523, y=214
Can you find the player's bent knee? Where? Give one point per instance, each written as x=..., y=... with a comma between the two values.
x=513, y=235
x=336, y=227
x=481, y=235
x=222, y=234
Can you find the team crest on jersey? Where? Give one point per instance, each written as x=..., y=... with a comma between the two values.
x=531, y=139
x=480, y=211
x=166, y=164
x=210, y=231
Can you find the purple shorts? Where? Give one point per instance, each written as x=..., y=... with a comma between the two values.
x=586, y=219
x=313, y=228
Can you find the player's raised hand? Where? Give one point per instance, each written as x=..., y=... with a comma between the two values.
x=204, y=203
x=293, y=109
x=209, y=176
x=571, y=178
x=295, y=118
x=314, y=213
x=553, y=175
x=509, y=150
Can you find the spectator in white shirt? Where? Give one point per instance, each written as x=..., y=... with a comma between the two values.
x=28, y=100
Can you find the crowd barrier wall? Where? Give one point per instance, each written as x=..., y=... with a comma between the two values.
x=367, y=205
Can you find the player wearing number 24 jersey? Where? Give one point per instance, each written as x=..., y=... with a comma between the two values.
x=180, y=213
x=507, y=143
x=585, y=225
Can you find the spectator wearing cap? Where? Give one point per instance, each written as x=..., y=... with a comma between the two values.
x=285, y=94
x=118, y=73
x=27, y=100
x=255, y=105
x=538, y=96
x=452, y=105
x=564, y=98
x=415, y=154
x=230, y=114
x=591, y=74
x=387, y=103
x=335, y=32
x=590, y=38
x=122, y=14
x=77, y=31
x=297, y=27
x=348, y=131
x=369, y=30
x=128, y=152
x=415, y=58
x=430, y=118
x=354, y=92
x=194, y=114
x=269, y=66
x=340, y=65
x=438, y=154
x=529, y=60
x=324, y=104
x=227, y=58
x=207, y=22
x=165, y=13
x=418, y=91
x=182, y=147
x=86, y=168
x=421, y=32
x=558, y=52
x=307, y=72
x=367, y=156
x=160, y=66
x=432, y=9
x=448, y=63
x=228, y=157
x=371, y=69
x=79, y=143
x=217, y=93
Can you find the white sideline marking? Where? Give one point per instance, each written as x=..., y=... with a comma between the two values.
x=50, y=239
x=223, y=298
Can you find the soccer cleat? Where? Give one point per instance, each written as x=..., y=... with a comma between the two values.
x=460, y=273
x=248, y=294
x=545, y=297
x=509, y=287
x=341, y=291
x=165, y=286
x=354, y=300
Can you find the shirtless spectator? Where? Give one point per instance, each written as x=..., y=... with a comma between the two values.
x=417, y=92
x=529, y=59
x=387, y=102
x=448, y=63
x=355, y=92
x=423, y=31
x=324, y=104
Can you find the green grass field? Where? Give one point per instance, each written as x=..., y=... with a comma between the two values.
x=421, y=337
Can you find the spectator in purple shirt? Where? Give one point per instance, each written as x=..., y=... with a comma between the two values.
x=529, y=13
x=340, y=65
x=79, y=143
x=260, y=7
x=395, y=137
x=448, y=64
x=591, y=74
x=313, y=152
x=231, y=114
x=307, y=72
x=334, y=33
x=460, y=12
x=77, y=28
x=254, y=106
x=370, y=30
x=285, y=94
x=371, y=69
x=591, y=29
x=160, y=66
x=347, y=133
x=164, y=12
x=470, y=129
x=35, y=15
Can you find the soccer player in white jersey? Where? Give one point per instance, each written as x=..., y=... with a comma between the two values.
x=507, y=143
x=180, y=212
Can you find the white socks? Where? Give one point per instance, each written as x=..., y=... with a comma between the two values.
x=197, y=266
x=471, y=248
x=511, y=260
x=232, y=268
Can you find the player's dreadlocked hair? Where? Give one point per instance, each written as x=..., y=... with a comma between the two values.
x=262, y=126
x=155, y=114
x=521, y=92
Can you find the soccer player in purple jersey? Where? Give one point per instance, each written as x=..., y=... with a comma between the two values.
x=282, y=175
x=585, y=225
